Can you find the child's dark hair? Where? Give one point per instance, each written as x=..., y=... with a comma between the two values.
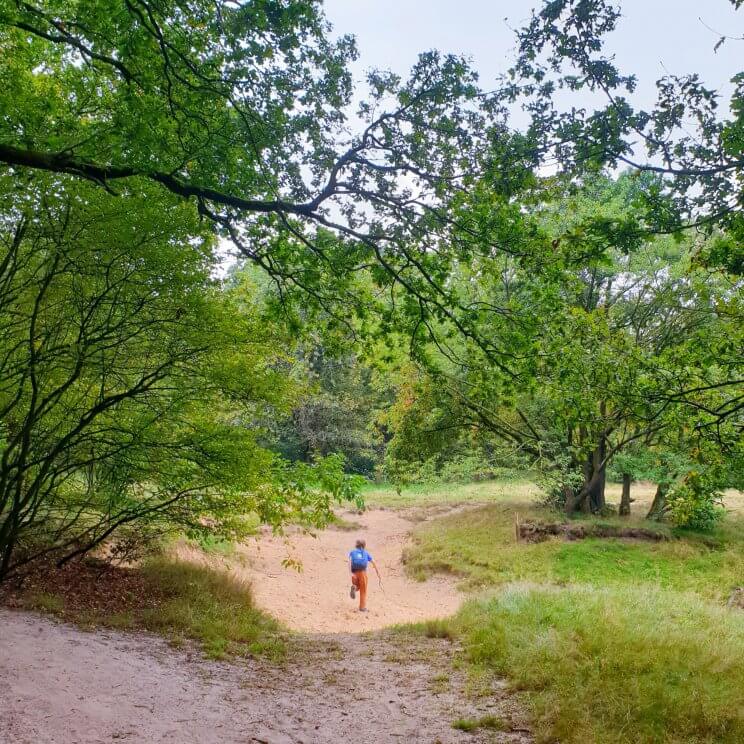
x=361, y=544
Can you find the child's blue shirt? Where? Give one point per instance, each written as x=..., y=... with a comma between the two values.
x=359, y=558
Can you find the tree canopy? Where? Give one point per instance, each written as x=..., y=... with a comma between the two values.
x=428, y=278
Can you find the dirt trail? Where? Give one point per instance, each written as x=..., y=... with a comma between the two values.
x=60, y=685
x=316, y=599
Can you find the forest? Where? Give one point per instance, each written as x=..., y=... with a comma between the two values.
x=244, y=293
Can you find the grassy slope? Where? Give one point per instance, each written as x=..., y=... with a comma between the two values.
x=479, y=545
x=621, y=641
x=177, y=599
x=618, y=666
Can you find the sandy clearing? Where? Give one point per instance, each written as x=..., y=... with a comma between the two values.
x=316, y=598
x=61, y=685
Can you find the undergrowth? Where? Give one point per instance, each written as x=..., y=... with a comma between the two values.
x=608, y=640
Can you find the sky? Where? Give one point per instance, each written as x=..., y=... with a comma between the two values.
x=654, y=38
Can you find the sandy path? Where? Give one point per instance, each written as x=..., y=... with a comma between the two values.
x=60, y=685
x=316, y=599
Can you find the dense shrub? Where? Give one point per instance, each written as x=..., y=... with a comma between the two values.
x=695, y=503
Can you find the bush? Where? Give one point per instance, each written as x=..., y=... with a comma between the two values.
x=695, y=503
x=556, y=484
x=457, y=469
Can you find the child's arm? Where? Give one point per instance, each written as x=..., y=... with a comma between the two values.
x=374, y=565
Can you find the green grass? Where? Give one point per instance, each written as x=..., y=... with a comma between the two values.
x=45, y=602
x=377, y=495
x=612, y=641
x=211, y=607
x=215, y=546
x=494, y=723
x=479, y=546
x=616, y=665
x=177, y=599
x=345, y=525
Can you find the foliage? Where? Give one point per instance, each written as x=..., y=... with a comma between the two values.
x=244, y=108
x=336, y=412
x=617, y=340
x=686, y=136
x=696, y=502
x=529, y=303
x=657, y=465
x=558, y=482
x=127, y=379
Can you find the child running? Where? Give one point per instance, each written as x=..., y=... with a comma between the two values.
x=358, y=560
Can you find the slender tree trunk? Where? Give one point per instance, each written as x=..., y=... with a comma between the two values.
x=625, y=498
x=659, y=503
x=585, y=499
x=10, y=528
x=8, y=540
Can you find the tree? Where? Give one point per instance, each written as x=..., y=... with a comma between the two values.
x=336, y=414
x=619, y=339
x=686, y=137
x=242, y=109
x=126, y=378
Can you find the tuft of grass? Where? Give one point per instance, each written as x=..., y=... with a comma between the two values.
x=494, y=723
x=465, y=724
x=45, y=602
x=215, y=546
x=437, y=628
x=619, y=665
x=213, y=607
x=345, y=525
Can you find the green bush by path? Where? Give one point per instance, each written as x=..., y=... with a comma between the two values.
x=619, y=665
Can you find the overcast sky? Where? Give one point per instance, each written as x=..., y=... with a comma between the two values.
x=654, y=37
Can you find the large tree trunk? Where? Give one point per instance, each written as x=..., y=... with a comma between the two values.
x=659, y=503
x=625, y=498
x=592, y=498
x=597, y=498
